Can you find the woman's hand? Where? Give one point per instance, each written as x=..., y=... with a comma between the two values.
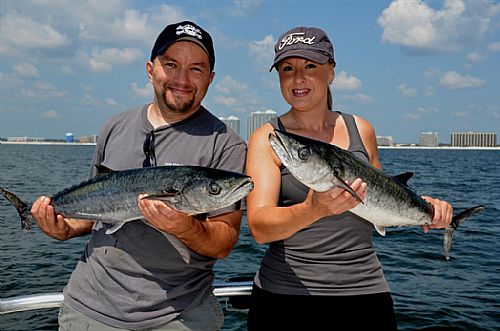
x=337, y=200
x=443, y=213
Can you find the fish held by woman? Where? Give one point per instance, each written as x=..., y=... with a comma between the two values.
x=389, y=202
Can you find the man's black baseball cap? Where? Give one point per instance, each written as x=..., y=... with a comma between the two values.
x=184, y=31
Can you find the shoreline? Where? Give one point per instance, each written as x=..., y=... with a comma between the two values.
x=46, y=143
x=441, y=147
x=62, y=143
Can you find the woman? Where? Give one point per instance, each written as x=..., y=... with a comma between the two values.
x=319, y=257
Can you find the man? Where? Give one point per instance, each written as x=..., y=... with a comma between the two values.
x=135, y=278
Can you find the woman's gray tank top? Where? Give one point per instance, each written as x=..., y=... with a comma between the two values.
x=333, y=256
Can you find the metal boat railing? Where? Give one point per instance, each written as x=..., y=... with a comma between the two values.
x=236, y=293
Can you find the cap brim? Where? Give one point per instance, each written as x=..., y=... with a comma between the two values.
x=306, y=54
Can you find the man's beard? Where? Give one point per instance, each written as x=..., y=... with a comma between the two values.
x=179, y=109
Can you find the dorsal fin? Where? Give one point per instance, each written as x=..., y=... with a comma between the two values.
x=404, y=177
x=103, y=170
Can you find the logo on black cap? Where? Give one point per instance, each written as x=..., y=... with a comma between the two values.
x=189, y=30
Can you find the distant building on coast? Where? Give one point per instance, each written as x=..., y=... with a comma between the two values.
x=256, y=119
x=429, y=139
x=232, y=122
x=473, y=139
x=385, y=141
x=24, y=139
x=70, y=137
x=88, y=139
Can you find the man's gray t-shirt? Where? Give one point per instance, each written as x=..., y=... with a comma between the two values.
x=134, y=278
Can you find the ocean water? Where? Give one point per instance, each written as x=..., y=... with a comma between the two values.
x=429, y=292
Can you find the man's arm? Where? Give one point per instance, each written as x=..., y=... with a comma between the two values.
x=214, y=237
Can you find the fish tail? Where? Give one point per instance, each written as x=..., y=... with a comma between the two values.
x=22, y=208
x=455, y=222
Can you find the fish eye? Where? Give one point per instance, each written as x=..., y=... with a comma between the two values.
x=304, y=153
x=214, y=188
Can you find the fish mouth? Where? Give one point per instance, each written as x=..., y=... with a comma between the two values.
x=246, y=186
x=278, y=145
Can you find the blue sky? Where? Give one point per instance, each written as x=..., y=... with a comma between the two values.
x=406, y=66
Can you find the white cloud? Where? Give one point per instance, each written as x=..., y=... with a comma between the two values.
x=242, y=7
x=85, y=24
x=431, y=73
x=428, y=110
x=475, y=57
x=429, y=91
x=26, y=70
x=50, y=114
x=22, y=34
x=103, y=60
x=67, y=70
x=412, y=117
x=452, y=80
x=407, y=91
x=262, y=51
x=420, y=112
x=419, y=28
x=225, y=101
x=235, y=95
x=229, y=85
x=494, y=47
x=462, y=114
x=43, y=90
x=344, y=82
x=358, y=97
x=91, y=101
x=122, y=26
x=143, y=92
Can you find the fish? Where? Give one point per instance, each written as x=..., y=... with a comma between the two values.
x=111, y=197
x=389, y=202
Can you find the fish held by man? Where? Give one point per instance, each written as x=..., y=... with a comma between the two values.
x=112, y=197
x=389, y=202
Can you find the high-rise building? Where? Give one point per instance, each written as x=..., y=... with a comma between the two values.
x=473, y=139
x=88, y=139
x=232, y=122
x=25, y=139
x=256, y=119
x=429, y=139
x=385, y=141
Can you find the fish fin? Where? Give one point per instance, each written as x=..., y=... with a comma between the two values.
x=170, y=197
x=179, y=246
x=103, y=170
x=166, y=195
x=404, y=177
x=447, y=240
x=117, y=226
x=22, y=208
x=380, y=230
x=346, y=187
x=455, y=222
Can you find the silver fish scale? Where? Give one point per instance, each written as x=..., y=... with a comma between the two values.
x=387, y=203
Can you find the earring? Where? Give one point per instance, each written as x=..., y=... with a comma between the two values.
x=330, y=82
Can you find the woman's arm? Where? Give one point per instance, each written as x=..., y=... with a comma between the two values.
x=267, y=221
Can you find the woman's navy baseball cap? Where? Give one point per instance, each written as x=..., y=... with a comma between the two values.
x=309, y=43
